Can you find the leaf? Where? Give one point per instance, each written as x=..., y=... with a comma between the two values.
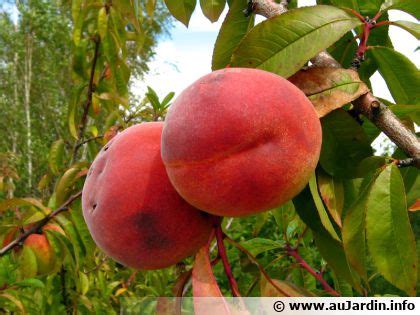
x=102, y=22
x=181, y=9
x=212, y=8
x=354, y=230
x=329, y=88
x=56, y=156
x=389, y=235
x=400, y=74
x=410, y=6
x=260, y=245
x=233, y=29
x=411, y=27
x=332, y=193
x=204, y=285
x=402, y=111
x=283, y=44
x=323, y=215
x=268, y=290
x=344, y=144
x=343, y=50
x=203, y=280
x=33, y=283
x=415, y=206
x=283, y=215
x=22, y=202
x=27, y=263
x=66, y=182
x=83, y=283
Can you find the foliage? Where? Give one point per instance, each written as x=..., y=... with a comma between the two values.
x=356, y=222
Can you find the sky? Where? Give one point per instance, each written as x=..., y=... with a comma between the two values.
x=186, y=55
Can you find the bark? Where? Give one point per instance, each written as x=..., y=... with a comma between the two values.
x=27, y=80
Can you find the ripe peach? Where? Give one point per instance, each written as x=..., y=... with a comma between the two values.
x=131, y=209
x=240, y=141
x=45, y=256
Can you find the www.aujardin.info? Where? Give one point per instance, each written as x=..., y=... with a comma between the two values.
x=372, y=305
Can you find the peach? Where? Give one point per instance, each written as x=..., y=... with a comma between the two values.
x=240, y=141
x=45, y=256
x=131, y=209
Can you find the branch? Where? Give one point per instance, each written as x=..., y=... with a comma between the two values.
x=91, y=88
x=223, y=256
x=39, y=225
x=317, y=275
x=367, y=104
x=88, y=140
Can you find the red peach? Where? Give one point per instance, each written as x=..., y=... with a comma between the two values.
x=240, y=141
x=45, y=256
x=131, y=209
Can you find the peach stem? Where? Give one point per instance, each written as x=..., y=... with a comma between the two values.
x=225, y=261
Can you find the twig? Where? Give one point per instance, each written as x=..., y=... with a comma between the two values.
x=88, y=140
x=255, y=261
x=318, y=276
x=91, y=88
x=34, y=229
x=223, y=256
x=130, y=279
x=367, y=104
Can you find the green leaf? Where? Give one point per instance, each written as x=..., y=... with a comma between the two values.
x=323, y=215
x=410, y=6
x=400, y=74
x=56, y=156
x=65, y=184
x=354, y=229
x=344, y=144
x=332, y=193
x=181, y=9
x=83, y=283
x=27, y=263
x=343, y=50
x=389, y=235
x=167, y=99
x=260, y=245
x=412, y=111
x=411, y=27
x=22, y=202
x=212, y=8
x=233, y=29
x=33, y=283
x=283, y=44
x=102, y=22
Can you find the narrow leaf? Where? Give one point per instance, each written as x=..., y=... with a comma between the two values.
x=400, y=74
x=389, y=235
x=410, y=6
x=321, y=209
x=181, y=9
x=332, y=193
x=56, y=156
x=329, y=88
x=411, y=27
x=283, y=44
x=260, y=245
x=233, y=29
x=212, y=8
